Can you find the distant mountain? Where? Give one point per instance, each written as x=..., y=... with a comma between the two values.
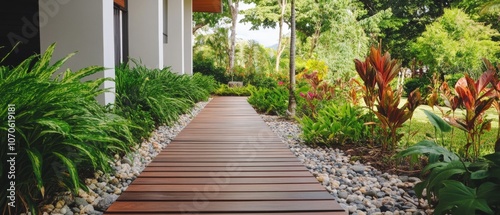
x=275, y=46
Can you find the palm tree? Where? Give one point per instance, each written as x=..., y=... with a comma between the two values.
x=292, y=103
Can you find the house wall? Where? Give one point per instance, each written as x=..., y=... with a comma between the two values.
x=85, y=27
x=146, y=32
x=188, y=37
x=174, y=53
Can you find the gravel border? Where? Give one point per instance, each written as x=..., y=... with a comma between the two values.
x=359, y=188
x=104, y=189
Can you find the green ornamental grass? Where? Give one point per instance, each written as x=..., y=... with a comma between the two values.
x=60, y=129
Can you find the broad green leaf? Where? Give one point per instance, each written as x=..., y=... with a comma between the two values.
x=495, y=158
x=446, y=172
x=489, y=191
x=458, y=199
x=429, y=147
x=480, y=174
x=437, y=122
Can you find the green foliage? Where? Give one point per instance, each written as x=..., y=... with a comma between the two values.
x=455, y=43
x=208, y=68
x=440, y=126
x=421, y=83
x=458, y=187
x=316, y=93
x=60, y=129
x=150, y=97
x=408, y=21
x=270, y=101
x=224, y=90
x=335, y=124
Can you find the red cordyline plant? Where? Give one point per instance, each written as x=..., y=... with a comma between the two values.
x=377, y=72
x=476, y=98
x=320, y=91
x=496, y=102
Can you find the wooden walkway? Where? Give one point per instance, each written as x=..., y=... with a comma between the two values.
x=226, y=161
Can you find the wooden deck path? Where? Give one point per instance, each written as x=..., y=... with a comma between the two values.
x=226, y=161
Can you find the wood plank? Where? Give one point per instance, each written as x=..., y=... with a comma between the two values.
x=287, y=213
x=224, y=179
x=231, y=174
x=203, y=159
x=225, y=196
x=226, y=187
x=224, y=206
x=226, y=161
x=222, y=164
x=225, y=168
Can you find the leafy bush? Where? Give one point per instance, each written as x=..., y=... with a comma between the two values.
x=335, y=124
x=456, y=186
x=207, y=67
x=224, y=90
x=377, y=71
x=151, y=97
x=270, y=101
x=261, y=81
x=206, y=82
x=60, y=130
x=422, y=83
x=316, y=93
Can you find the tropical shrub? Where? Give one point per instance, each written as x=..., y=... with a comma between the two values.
x=335, y=124
x=422, y=83
x=476, y=98
x=224, y=90
x=208, y=68
x=152, y=97
x=208, y=83
x=454, y=43
x=377, y=72
x=270, y=101
x=57, y=129
x=456, y=186
x=316, y=93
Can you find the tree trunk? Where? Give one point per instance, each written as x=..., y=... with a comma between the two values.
x=281, y=48
x=315, y=37
x=292, y=103
x=198, y=26
x=234, y=19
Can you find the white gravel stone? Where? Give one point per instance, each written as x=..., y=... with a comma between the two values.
x=364, y=189
x=127, y=169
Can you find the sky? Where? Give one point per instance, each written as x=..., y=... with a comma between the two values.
x=265, y=36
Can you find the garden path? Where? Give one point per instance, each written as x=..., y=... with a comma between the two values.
x=226, y=161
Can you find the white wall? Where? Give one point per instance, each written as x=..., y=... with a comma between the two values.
x=188, y=37
x=146, y=32
x=83, y=26
x=174, y=49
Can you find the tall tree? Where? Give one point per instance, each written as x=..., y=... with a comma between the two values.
x=409, y=20
x=292, y=103
x=234, y=5
x=281, y=48
x=268, y=14
x=455, y=43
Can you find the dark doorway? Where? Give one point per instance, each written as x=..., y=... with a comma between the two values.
x=121, y=32
x=19, y=23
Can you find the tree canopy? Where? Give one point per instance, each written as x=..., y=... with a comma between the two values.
x=455, y=43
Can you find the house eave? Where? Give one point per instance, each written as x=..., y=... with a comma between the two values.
x=211, y=6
